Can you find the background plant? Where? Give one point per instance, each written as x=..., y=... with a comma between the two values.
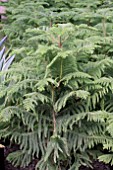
x=5, y=58
x=59, y=104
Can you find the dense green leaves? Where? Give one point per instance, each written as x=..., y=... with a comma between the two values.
x=58, y=105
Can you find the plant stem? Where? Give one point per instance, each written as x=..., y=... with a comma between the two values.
x=52, y=94
x=54, y=122
x=59, y=42
x=104, y=26
x=51, y=23
x=53, y=113
x=61, y=69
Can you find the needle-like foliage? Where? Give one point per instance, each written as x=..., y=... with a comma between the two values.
x=58, y=107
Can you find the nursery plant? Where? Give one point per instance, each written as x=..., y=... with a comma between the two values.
x=58, y=106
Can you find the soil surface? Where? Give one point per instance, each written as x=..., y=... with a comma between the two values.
x=96, y=165
x=8, y=166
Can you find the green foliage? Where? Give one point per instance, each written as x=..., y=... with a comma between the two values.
x=58, y=106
